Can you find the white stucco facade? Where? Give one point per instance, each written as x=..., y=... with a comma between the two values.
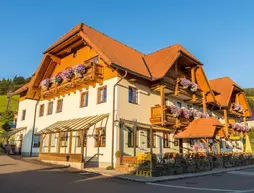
x=71, y=109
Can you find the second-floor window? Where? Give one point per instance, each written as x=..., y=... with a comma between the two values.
x=50, y=108
x=133, y=95
x=84, y=99
x=23, y=115
x=59, y=107
x=41, y=112
x=102, y=94
x=178, y=104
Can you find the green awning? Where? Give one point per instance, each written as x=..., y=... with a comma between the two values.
x=73, y=124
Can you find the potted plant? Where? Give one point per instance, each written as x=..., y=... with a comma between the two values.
x=45, y=84
x=185, y=83
x=193, y=87
x=67, y=74
x=79, y=70
x=57, y=79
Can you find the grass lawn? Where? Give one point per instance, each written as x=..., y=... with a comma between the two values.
x=13, y=106
x=14, y=103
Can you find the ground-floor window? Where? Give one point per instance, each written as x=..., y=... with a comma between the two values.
x=100, y=137
x=153, y=142
x=79, y=138
x=37, y=141
x=64, y=139
x=131, y=138
x=166, y=140
x=53, y=140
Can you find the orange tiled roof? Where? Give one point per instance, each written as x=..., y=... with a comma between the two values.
x=151, y=66
x=199, y=128
x=160, y=61
x=224, y=86
x=19, y=90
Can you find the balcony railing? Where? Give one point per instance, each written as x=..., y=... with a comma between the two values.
x=160, y=116
x=94, y=73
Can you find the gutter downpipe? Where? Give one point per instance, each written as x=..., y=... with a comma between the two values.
x=35, y=111
x=113, y=118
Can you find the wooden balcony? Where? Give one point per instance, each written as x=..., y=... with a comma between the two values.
x=93, y=75
x=160, y=116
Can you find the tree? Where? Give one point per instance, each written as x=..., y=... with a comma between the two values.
x=18, y=80
x=6, y=126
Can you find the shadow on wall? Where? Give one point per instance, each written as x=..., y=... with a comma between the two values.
x=26, y=143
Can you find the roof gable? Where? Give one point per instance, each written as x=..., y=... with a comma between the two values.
x=161, y=61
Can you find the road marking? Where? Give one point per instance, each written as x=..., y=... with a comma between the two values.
x=242, y=173
x=86, y=179
x=192, y=188
x=244, y=191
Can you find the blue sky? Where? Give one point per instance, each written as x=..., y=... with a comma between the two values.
x=219, y=33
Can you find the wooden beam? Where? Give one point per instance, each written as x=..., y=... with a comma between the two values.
x=177, y=87
x=59, y=142
x=226, y=121
x=151, y=140
x=70, y=142
x=55, y=58
x=162, y=95
x=204, y=102
x=41, y=142
x=82, y=135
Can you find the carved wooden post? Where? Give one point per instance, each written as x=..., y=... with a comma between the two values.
x=49, y=145
x=59, y=142
x=193, y=79
x=135, y=136
x=151, y=140
x=82, y=135
x=70, y=142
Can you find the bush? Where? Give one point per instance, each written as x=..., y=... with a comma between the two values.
x=109, y=168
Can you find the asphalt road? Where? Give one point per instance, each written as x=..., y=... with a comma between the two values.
x=22, y=177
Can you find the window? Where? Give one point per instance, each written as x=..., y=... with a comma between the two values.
x=102, y=94
x=64, y=139
x=100, y=137
x=23, y=115
x=189, y=106
x=79, y=136
x=46, y=141
x=37, y=141
x=178, y=104
x=166, y=140
x=53, y=140
x=131, y=138
x=50, y=107
x=59, y=107
x=153, y=140
x=84, y=99
x=133, y=95
x=41, y=112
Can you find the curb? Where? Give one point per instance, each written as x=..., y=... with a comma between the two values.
x=175, y=177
